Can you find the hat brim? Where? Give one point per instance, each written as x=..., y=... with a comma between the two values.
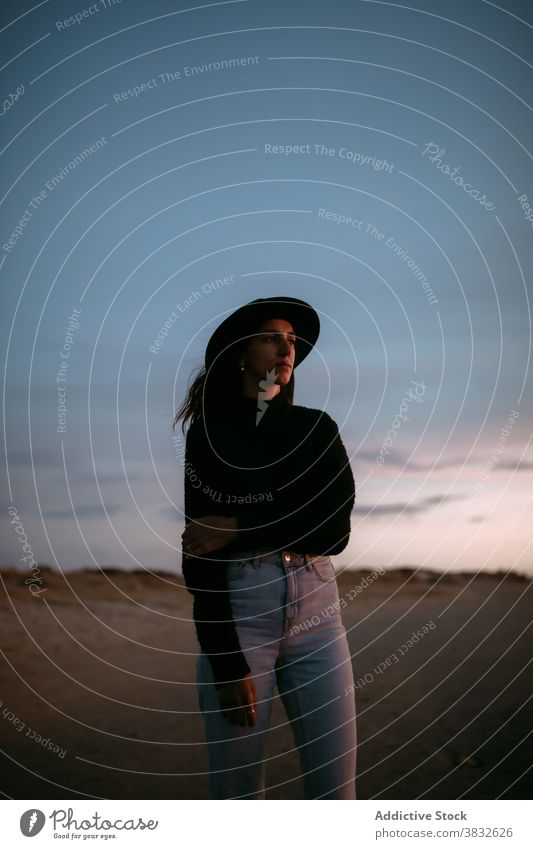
x=244, y=322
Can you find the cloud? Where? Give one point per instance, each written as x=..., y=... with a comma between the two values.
x=515, y=465
x=400, y=460
x=42, y=457
x=85, y=511
x=394, y=509
x=172, y=513
x=397, y=459
x=122, y=476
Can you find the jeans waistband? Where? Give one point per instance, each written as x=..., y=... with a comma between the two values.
x=289, y=556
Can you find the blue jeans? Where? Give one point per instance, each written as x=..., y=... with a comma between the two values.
x=287, y=614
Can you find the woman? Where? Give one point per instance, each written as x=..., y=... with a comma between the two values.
x=268, y=496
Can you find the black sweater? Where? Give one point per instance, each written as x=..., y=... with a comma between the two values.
x=288, y=482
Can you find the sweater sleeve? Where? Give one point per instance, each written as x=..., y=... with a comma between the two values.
x=205, y=578
x=321, y=524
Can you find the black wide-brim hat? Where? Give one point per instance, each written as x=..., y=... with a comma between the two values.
x=241, y=325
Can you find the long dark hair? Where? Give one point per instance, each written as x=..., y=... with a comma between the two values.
x=219, y=388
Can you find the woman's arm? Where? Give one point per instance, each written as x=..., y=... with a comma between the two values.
x=205, y=578
x=320, y=524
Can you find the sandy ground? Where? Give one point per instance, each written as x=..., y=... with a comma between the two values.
x=98, y=694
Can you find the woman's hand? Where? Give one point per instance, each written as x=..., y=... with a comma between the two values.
x=208, y=533
x=238, y=701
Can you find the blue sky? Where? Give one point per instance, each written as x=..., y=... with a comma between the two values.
x=315, y=160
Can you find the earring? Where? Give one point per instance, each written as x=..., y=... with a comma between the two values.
x=242, y=366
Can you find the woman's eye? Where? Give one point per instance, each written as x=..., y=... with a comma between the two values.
x=273, y=338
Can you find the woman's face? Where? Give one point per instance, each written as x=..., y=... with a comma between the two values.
x=273, y=348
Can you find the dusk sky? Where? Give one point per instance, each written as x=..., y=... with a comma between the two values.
x=369, y=157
